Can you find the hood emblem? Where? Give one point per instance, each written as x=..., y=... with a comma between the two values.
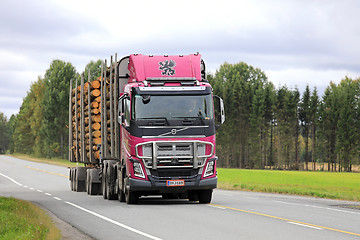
x=167, y=67
x=173, y=131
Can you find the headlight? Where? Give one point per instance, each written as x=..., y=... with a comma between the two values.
x=201, y=149
x=147, y=150
x=209, y=169
x=138, y=171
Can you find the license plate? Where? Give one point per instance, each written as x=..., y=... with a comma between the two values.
x=175, y=183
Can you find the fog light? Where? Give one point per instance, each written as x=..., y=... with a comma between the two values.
x=138, y=171
x=209, y=169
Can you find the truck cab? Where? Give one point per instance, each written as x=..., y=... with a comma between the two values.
x=167, y=125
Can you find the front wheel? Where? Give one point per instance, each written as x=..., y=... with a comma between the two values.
x=130, y=197
x=205, y=196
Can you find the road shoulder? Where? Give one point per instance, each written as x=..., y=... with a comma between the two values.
x=68, y=232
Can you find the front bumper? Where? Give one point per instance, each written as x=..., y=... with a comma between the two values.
x=159, y=186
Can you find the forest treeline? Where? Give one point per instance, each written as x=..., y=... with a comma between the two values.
x=41, y=126
x=268, y=127
x=265, y=127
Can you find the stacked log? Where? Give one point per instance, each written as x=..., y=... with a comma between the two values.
x=86, y=121
x=93, y=118
x=110, y=128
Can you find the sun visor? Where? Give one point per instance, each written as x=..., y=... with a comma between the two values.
x=144, y=67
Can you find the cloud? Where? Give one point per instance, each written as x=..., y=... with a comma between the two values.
x=294, y=42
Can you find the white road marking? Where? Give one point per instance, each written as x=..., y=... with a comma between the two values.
x=286, y=203
x=49, y=194
x=11, y=179
x=57, y=198
x=339, y=210
x=215, y=206
x=114, y=222
x=252, y=198
x=226, y=194
x=312, y=206
x=39, y=191
x=304, y=225
x=31, y=188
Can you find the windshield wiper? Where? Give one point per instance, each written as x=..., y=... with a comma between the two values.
x=157, y=118
x=201, y=116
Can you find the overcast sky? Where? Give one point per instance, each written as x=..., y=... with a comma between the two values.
x=294, y=42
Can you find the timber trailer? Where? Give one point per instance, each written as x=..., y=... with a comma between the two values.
x=146, y=126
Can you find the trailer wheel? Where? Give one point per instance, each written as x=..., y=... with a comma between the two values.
x=205, y=196
x=71, y=179
x=94, y=185
x=88, y=181
x=74, y=179
x=103, y=180
x=121, y=195
x=80, y=179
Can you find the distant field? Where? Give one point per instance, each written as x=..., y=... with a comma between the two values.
x=55, y=161
x=333, y=185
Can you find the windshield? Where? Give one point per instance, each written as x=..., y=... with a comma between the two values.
x=173, y=107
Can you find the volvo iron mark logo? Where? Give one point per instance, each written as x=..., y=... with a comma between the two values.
x=167, y=67
x=173, y=131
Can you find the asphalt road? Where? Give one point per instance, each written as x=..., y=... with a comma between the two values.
x=231, y=215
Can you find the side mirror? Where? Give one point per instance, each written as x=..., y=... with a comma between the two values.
x=219, y=111
x=120, y=111
x=121, y=107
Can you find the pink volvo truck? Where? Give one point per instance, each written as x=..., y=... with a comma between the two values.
x=158, y=122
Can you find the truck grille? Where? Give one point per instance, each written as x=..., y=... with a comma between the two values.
x=169, y=173
x=174, y=154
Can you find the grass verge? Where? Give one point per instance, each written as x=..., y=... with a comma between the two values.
x=333, y=185
x=55, y=161
x=23, y=220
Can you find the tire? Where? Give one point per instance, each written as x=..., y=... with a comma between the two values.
x=193, y=196
x=130, y=197
x=74, y=185
x=205, y=196
x=71, y=178
x=103, y=181
x=94, y=184
x=74, y=179
x=80, y=179
x=88, y=181
x=120, y=183
x=121, y=195
x=110, y=182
